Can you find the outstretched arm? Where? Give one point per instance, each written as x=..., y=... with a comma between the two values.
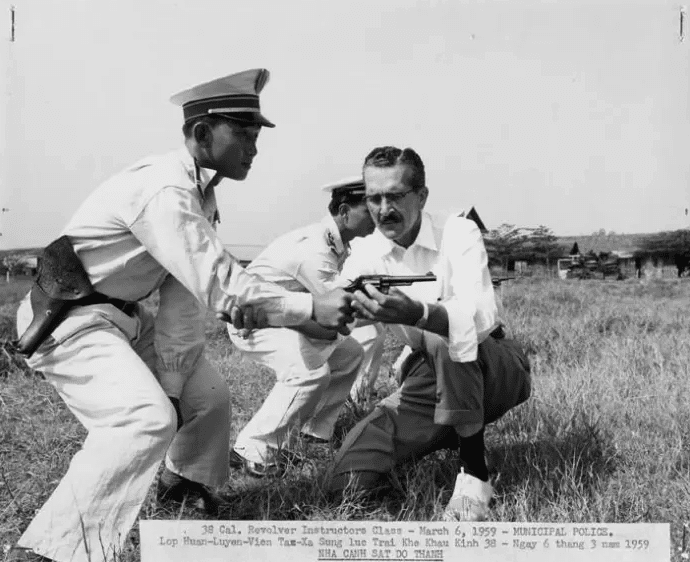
x=174, y=230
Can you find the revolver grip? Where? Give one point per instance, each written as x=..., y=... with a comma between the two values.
x=352, y=287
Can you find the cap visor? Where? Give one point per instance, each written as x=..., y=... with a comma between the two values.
x=264, y=122
x=248, y=119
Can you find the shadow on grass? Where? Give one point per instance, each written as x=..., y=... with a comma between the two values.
x=557, y=463
x=302, y=497
x=289, y=499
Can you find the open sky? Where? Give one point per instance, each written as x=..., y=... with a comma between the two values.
x=570, y=114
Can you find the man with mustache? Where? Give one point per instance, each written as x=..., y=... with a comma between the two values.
x=141, y=385
x=314, y=367
x=463, y=374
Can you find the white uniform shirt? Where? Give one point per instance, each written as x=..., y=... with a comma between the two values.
x=453, y=250
x=149, y=227
x=306, y=259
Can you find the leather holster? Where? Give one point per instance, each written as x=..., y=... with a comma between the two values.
x=61, y=280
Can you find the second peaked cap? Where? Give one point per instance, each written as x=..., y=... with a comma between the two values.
x=353, y=186
x=235, y=96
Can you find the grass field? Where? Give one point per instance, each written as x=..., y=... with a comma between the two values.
x=604, y=438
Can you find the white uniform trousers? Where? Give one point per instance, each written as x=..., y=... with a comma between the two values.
x=313, y=381
x=101, y=362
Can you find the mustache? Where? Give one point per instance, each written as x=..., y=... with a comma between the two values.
x=391, y=217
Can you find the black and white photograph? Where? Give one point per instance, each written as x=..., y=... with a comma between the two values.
x=393, y=280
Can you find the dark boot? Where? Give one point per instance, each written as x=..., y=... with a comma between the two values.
x=175, y=488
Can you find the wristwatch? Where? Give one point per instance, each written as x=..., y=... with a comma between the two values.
x=421, y=323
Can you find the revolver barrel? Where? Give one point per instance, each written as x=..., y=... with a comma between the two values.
x=385, y=282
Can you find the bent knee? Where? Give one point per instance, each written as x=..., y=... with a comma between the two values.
x=369, y=445
x=352, y=350
x=156, y=420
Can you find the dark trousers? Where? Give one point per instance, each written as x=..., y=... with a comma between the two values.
x=438, y=401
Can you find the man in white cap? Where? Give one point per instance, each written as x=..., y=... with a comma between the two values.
x=463, y=374
x=140, y=384
x=315, y=368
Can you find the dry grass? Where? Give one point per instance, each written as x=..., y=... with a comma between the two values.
x=605, y=436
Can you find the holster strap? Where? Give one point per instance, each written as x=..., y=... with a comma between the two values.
x=61, y=284
x=128, y=307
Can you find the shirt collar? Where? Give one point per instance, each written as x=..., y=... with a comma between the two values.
x=425, y=238
x=205, y=174
x=333, y=238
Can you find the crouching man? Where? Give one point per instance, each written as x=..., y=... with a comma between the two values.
x=462, y=373
x=315, y=368
x=141, y=385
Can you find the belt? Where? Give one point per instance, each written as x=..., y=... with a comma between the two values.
x=128, y=307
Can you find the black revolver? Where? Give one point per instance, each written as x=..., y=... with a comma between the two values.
x=383, y=283
x=496, y=281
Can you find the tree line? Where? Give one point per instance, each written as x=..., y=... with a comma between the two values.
x=510, y=243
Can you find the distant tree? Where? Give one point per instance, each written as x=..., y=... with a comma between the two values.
x=670, y=246
x=598, y=237
x=575, y=250
x=12, y=264
x=666, y=244
x=542, y=244
x=505, y=243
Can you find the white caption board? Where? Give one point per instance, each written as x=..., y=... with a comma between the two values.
x=366, y=541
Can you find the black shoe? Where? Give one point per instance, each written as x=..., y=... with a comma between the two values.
x=276, y=469
x=363, y=485
x=175, y=488
x=20, y=554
